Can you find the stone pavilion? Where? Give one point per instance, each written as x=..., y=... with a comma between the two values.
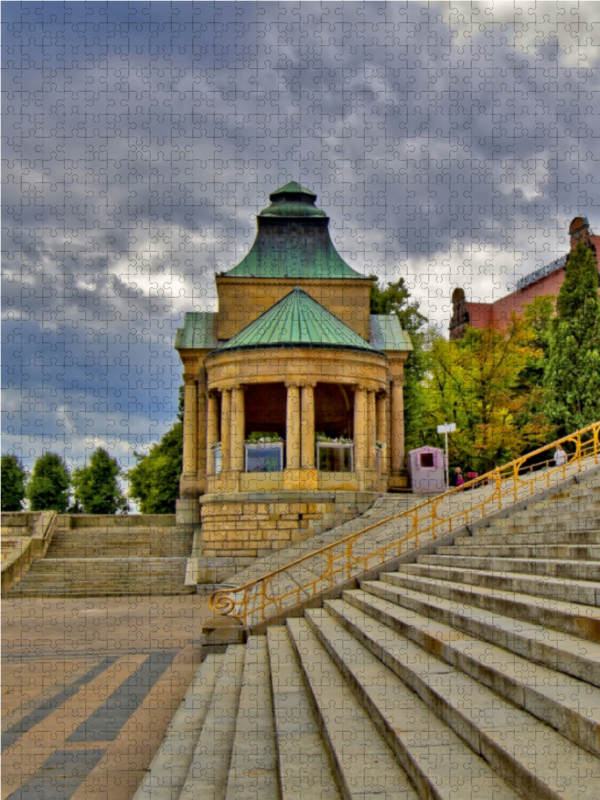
x=293, y=417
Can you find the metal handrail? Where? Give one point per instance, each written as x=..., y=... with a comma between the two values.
x=237, y=602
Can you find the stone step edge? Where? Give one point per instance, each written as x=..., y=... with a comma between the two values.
x=489, y=742
x=559, y=614
x=539, y=585
x=499, y=629
x=168, y=769
x=570, y=722
x=425, y=774
x=300, y=632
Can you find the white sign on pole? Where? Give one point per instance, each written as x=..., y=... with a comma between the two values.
x=449, y=428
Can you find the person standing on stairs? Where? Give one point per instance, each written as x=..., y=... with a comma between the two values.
x=560, y=456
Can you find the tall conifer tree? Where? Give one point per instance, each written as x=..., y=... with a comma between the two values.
x=572, y=377
x=14, y=477
x=49, y=486
x=96, y=487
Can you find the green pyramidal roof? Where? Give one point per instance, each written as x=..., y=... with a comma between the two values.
x=297, y=321
x=293, y=241
x=292, y=188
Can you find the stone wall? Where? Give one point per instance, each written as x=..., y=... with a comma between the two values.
x=241, y=527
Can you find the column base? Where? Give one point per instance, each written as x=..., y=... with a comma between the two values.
x=224, y=482
x=187, y=511
x=192, y=486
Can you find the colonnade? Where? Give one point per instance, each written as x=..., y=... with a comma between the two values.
x=378, y=417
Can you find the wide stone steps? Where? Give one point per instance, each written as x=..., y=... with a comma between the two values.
x=103, y=576
x=473, y=672
x=568, y=590
x=569, y=705
x=575, y=618
x=529, y=754
x=574, y=522
x=106, y=555
x=579, y=543
x=128, y=542
x=533, y=563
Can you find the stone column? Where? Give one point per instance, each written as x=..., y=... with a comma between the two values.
x=397, y=426
x=190, y=422
x=211, y=433
x=225, y=430
x=370, y=460
x=308, y=426
x=360, y=429
x=382, y=413
x=201, y=431
x=292, y=431
x=238, y=429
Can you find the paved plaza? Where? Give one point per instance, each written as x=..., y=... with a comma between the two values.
x=89, y=687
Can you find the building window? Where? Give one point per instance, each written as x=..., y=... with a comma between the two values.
x=427, y=461
x=334, y=457
x=266, y=457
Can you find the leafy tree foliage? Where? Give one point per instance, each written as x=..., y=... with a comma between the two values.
x=476, y=382
x=14, y=477
x=96, y=487
x=48, y=488
x=572, y=377
x=154, y=481
x=395, y=299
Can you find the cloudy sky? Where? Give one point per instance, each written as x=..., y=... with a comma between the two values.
x=451, y=144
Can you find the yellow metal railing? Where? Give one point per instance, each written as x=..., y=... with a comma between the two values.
x=263, y=597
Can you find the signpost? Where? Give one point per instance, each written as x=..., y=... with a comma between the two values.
x=449, y=427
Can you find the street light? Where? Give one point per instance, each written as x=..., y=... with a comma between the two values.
x=449, y=427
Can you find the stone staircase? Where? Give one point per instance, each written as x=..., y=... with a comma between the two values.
x=382, y=509
x=111, y=555
x=473, y=672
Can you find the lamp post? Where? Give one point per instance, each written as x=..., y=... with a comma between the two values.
x=446, y=429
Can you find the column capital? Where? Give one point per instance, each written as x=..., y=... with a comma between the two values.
x=292, y=383
x=307, y=383
x=189, y=379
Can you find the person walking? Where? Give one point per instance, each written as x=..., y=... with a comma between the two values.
x=457, y=478
x=560, y=457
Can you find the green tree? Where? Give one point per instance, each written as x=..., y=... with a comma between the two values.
x=48, y=488
x=154, y=481
x=572, y=376
x=14, y=477
x=96, y=486
x=475, y=382
x=395, y=299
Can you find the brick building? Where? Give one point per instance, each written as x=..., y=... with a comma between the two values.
x=544, y=281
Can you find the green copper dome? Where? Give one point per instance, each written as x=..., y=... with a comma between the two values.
x=293, y=241
x=297, y=321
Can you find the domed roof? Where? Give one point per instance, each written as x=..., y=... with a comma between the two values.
x=293, y=241
x=292, y=200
